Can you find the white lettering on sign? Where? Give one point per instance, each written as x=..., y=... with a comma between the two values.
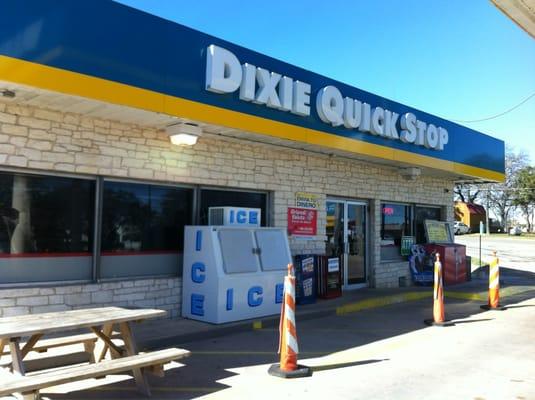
x=352, y=113
x=335, y=110
x=223, y=71
x=330, y=105
x=247, y=87
x=267, y=82
x=225, y=74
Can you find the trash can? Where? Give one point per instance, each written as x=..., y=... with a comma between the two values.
x=305, y=279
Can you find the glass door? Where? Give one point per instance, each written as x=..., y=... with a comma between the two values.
x=347, y=239
x=356, y=244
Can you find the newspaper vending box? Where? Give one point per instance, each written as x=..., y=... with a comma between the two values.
x=452, y=255
x=329, y=277
x=305, y=279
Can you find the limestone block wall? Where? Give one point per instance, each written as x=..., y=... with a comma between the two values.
x=163, y=293
x=388, y=274
x=42, y=140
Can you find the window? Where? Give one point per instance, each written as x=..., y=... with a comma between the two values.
x=46, y=228
x=222, y=198
x=396, y=221
x=143, y=228
x=421, y=213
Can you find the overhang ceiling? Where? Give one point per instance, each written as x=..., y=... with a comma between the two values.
x=522, y=12
x=40, y=98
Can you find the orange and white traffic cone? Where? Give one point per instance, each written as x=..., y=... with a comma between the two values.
x=439, y=318
x=288, y=347
x=494, y=285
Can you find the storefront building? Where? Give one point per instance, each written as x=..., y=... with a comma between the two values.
x=94, y=196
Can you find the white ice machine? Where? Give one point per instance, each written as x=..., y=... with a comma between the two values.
x=233, y=273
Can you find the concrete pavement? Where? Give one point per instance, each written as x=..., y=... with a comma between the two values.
x=368, y=344
x=383, y=353
x=161, y=333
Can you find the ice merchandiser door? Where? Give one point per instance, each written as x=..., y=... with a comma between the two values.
x=273, y=247
x=235, y=259
x=233, y=273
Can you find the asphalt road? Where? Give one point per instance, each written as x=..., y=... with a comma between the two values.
x=383, y=353
x=513, y=251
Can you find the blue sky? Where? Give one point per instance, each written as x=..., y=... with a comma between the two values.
x=460, y=60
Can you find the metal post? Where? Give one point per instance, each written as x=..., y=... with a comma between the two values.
x=480, y=272
x=487, y=215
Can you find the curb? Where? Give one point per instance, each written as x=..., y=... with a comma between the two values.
x=380, y=302
x=273, y=321
x=466, y=296
x=483, y=296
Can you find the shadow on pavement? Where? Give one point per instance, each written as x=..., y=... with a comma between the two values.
x=327, y=367
x=508, y=276
x=472, y=320
x=512, y=307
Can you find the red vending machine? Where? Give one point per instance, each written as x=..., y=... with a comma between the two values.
x=329, y=277
x=452, y=255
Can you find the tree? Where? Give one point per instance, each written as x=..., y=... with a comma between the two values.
x=524, y=193
x=467, y=192
x=501, y=195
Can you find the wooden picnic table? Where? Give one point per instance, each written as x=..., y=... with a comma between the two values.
x=99, y=321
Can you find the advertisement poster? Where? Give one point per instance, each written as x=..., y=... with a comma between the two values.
x=437, y=232
x=333, y=265
x=307, y=265
x=306, y=200
x=307, y=287
x=302, y=221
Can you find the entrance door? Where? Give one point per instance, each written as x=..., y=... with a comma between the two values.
x=346, y=238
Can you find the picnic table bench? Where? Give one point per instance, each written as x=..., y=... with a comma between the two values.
x=88, y=340
x=100, y=322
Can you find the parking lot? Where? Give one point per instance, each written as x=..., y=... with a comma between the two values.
x=514, y=251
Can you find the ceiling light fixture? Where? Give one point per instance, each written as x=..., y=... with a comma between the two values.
x=183, y=133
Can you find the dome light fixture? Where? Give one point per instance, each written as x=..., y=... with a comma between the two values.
x=183, y=133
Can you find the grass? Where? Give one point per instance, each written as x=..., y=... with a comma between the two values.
x=528, y=236
x=475, y=262
x=475, y=266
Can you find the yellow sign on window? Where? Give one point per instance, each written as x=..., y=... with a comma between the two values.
x=306, y=200
x=437, y=231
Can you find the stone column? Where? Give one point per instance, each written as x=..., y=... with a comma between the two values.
x=374, y=240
